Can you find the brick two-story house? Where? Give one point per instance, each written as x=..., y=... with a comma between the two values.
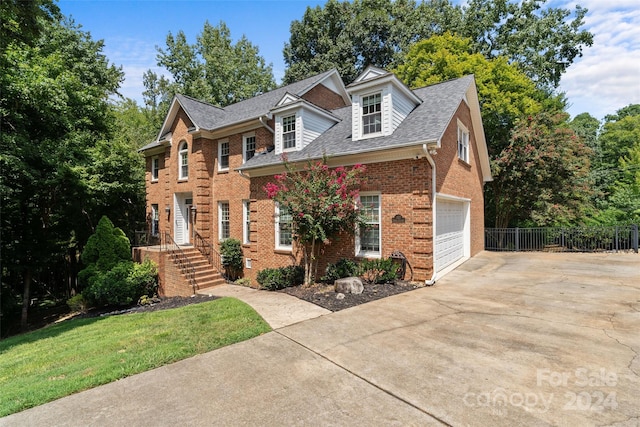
x=426, y=164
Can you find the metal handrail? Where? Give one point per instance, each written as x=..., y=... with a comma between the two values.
x=208, y=251
x=180, y=259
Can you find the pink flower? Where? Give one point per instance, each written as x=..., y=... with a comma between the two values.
x=271, y=189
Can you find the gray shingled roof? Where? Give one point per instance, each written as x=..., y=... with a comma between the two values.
x=209, y=117
x=427, y=122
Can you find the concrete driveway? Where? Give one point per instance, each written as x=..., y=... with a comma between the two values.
x=506, y=339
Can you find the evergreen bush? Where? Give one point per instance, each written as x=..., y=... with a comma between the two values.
x=232, y=258
x=378, y=270
x=343, y=268
x=273, y=279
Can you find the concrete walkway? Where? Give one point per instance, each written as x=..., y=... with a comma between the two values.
x=504, y=340
x=276, y=308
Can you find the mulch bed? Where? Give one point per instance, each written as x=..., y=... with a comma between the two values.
x=320, y=294
x=325, y=295
x=156, y=305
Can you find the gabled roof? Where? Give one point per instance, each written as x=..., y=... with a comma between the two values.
x=208, y=117
x=426, y=124
x=373, y=77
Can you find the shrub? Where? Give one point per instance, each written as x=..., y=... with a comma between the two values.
x=124, y=284
x=243, y=282
x=77, y=303
x=343, y=268
x=106, y=248
x=378, y=270
x=144, y=278
x=279, y=278
x=231, y=252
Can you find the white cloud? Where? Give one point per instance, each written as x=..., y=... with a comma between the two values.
x=607, y=77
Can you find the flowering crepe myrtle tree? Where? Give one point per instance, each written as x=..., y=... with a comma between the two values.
x=323, y=203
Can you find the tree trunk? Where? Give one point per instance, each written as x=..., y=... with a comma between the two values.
x=26, y=299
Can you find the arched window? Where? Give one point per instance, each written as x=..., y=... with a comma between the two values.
x=183, y=156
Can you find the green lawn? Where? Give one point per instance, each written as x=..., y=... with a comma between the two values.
x=76, y=355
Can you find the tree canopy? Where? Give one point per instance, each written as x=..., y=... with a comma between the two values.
x=54, y=110
x=524, y=131
x=349, y=36
x=617, y=168
x=213, y=69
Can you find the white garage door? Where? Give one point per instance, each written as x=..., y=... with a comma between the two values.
x=450, y=232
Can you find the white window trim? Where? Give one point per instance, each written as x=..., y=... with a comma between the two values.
x=245, y=137
x=220, y=143
x=246, y=224
x=370, y=254
x=295, y=132
x=155, y=217
x=382, y=114
x=463, y=133
x=277, y=232
x=184, y=149
x=155, y=168
x=220, y=236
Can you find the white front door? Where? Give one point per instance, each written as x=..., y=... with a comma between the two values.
x=182, y=218
x=452, y=238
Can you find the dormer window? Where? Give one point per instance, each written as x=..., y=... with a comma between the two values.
x=298, y=122
x=371, y=114
x=289, y=132
x=183, y=156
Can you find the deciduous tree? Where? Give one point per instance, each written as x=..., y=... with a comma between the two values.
x=213, y=69
x=510, y=100
x=54, y=107
x=543, y=41
x=322, y=203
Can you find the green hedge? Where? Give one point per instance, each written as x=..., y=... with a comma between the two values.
x=279, y=278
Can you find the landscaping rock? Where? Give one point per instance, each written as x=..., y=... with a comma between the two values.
x=349, y=285
x=340, y=296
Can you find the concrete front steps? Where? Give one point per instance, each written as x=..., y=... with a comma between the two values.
x=206, y=275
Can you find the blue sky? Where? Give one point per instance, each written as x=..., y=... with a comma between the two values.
x=605, y=79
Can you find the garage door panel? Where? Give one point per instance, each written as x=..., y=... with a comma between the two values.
x=450, y=224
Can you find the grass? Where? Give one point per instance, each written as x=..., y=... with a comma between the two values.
x=76, y=355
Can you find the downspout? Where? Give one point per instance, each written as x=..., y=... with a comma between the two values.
x=261, y=119
x=264, y=124
x=432, y=280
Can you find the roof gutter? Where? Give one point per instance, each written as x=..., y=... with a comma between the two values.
x=425, y=149
x=261, y=118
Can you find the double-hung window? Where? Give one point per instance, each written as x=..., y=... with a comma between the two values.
x=289, y=132
x=249, y=147
x=224, y=229
x=284, y=235
x=183, y=156
x=371, y=114
x=463, y=144
x=155, y=220
x=155, y=167
x=223, y=155
x=246, y=220
x=368, y=238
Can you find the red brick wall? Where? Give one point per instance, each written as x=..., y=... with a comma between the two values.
x=324, y=97
x=457, y=178
x=162, y=190
x=405, y=188
x=170, y=281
